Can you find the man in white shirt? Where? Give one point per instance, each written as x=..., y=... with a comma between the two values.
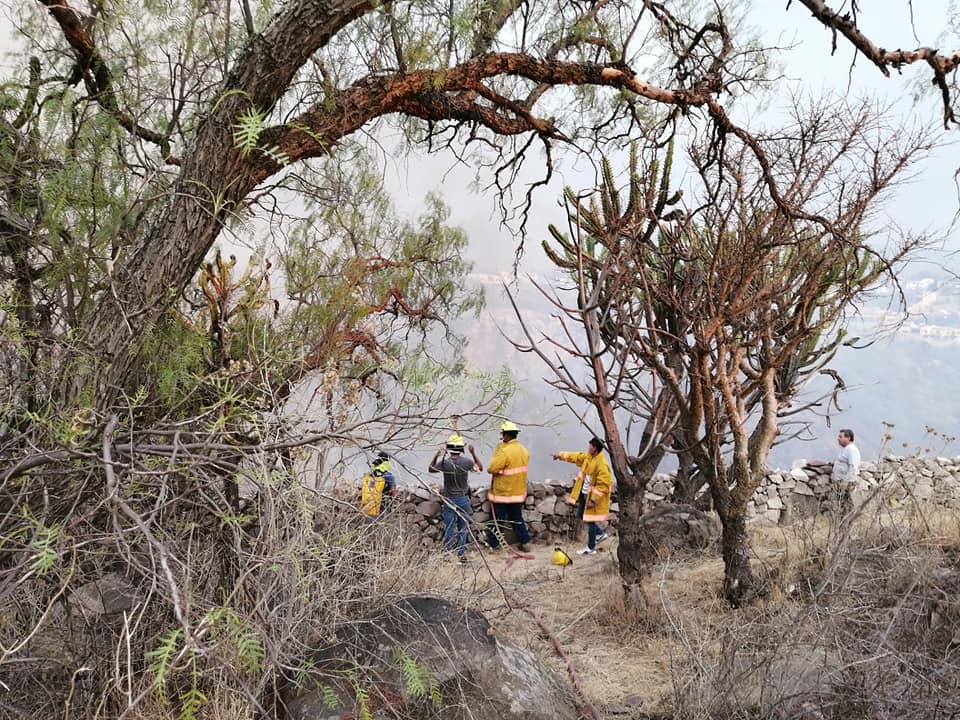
x=846, y=468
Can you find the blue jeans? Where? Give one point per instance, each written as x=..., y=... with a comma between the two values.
x=456, y=517
x=593, y=529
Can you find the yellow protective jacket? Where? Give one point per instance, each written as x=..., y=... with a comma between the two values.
x=509, y=469
x=595, y=474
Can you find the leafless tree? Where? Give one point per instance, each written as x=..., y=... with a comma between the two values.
x=736, y=302
x=591, y=338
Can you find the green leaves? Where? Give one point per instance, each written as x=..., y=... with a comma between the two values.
x=247, y=129
x=43, y=546
x=243, y=642
x=162, y=659
x=418, y=682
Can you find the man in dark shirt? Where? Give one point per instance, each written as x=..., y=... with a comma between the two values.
x=455, y=467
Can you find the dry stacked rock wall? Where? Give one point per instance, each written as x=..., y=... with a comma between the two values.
x=783, y=496
x=546, y=511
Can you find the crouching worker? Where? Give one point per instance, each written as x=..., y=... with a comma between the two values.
x=455, y=467
x=378, y=487
x=591, y=491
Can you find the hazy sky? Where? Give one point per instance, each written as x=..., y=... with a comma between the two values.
x=899, y=380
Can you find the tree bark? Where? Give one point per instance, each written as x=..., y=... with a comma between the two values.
x=739, y=586
x=631, y=551
x=688, y=482
x=216, y=176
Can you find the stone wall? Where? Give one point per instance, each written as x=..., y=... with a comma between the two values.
x=784, y=496
x=546, y=512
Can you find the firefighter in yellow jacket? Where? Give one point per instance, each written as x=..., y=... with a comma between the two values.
x=377, y=483
x=508, y=487
x=591, y=491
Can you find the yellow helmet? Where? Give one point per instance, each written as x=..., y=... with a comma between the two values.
x=509, y=427
x=455, y=443
x=561, y=558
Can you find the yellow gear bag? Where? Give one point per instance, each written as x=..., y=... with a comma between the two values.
x=371, y=495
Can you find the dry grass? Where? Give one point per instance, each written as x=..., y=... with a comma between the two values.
x=853, y=624
x=832, y=598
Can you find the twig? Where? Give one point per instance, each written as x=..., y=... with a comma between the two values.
x=561, y=651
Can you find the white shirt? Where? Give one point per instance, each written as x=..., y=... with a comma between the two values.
x=847, y=465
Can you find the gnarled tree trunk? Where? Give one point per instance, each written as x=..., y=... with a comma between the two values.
x=739, y=585
x=631, y=555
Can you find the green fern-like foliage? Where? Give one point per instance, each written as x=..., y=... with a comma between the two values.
x=362, y=697
x=276, y=154
x=435, y=696
x=331, y=701
x=418, y=681
x=414, y=678
x=247, y=129
x=44, y=547
x=250, y=652
x=193, y=699
x=246, y=644
x=161, y=661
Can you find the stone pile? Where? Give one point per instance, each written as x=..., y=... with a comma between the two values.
x=783, y=496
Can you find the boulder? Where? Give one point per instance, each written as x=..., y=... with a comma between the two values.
x=422, y=493
x=798, y=474
x=425, y=658
x=561, y=507
x=669, y=527
x=109, y=595
x=538, y=490
x=428, y=508
x=545, y=506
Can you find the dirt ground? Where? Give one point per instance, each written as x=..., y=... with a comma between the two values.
x=689, y=653
x=620, y=660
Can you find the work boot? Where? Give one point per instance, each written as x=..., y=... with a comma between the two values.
x=525, y=547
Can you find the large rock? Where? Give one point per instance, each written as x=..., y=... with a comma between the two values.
x=428, y=508
x=545, y=506
x=670, y=527
x=109, y=595
x=425, y=658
